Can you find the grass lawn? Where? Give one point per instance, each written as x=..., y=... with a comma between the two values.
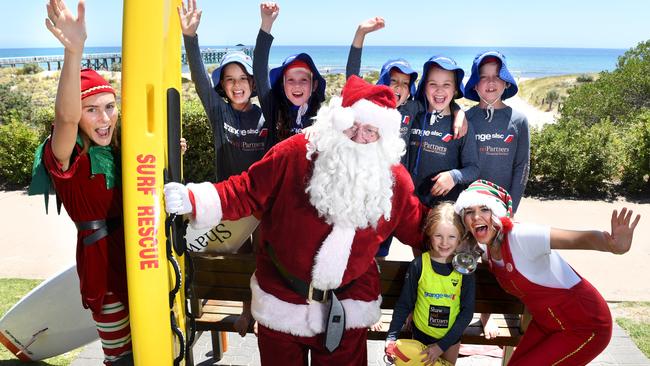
x=634, y=317
x=535, y=91
x=12, y=290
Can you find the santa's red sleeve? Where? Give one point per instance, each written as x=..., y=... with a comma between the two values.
x=408, y=211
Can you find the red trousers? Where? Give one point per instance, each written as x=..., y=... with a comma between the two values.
x=569, y=326
x=282, y=349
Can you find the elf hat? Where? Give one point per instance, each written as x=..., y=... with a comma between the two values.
x=402, y=66
x=504, y=74
x=445, y=63
x=484, y=193
x=92, y=83
x=367, y=104
x=235, y=56
x=276, y=74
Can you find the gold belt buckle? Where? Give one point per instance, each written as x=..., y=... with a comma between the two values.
x=310, y=294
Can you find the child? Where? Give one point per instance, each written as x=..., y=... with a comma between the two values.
x=399, y=76
x=439, y=165
x=501, y=132
x=238, y=126
x=439, y=321
x=82, y=160
x=292, y=93
x=571, y=323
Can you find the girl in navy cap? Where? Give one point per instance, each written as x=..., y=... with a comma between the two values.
x=501, y=134
x=239, y=129
x=440, y=166
x=292, y=93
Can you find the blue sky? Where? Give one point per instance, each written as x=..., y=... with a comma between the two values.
x=550, y=23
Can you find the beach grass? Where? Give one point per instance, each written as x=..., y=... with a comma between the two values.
x=634, y=317
x=537, y=92
x=11, y=291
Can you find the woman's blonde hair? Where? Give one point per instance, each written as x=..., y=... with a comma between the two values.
x=443, y=212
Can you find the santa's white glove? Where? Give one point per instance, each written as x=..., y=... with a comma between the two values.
x=177, y=198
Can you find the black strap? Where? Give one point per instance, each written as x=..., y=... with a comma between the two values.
x=299, y=286
x=101, y=228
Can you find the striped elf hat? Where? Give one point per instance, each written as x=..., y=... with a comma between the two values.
x=484, y=193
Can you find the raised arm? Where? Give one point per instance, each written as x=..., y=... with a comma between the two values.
x=71, y=32
x=190, y=18
x=618, y=242
x=269, y=12
x=353, y=66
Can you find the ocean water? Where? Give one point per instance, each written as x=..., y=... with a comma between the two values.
x=522, y=61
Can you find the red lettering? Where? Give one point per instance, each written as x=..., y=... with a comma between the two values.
x=146, y=211
x=146, y=158
x=148, y=264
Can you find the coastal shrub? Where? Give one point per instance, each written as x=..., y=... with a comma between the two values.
x=116, y=66
x=29, y=69
x=198, y=161
x=568, y=158
x=584, y=78
x=616, y=95
x=636, y=155
x=17, y=144
x=14, y=105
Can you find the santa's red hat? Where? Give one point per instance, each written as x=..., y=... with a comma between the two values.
x=92, y=83
x=368, y=104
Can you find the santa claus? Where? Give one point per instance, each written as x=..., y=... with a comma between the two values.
x=327, y=202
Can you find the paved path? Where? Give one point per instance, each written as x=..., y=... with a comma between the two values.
x=36, y=245
x=243, y=351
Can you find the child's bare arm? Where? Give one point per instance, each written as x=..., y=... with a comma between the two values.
x=365, y=27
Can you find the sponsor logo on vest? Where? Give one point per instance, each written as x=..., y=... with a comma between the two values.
x=487, y=137
x=419, y=132
x=509, y=139
x=447, y=137
x=493, y=150
x=439, y=296
x=406, y=120
x=432, y=148
x=454, y=281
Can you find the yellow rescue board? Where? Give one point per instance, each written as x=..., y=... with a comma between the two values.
x=151, y=64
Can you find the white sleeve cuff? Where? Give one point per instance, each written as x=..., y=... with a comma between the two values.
x=207, y=205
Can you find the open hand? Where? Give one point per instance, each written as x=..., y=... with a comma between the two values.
x=190, y=18
x=443, y=184
x=620, y=240
x=68, y=29
x=431, y=354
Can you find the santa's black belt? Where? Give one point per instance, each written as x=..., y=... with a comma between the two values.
x=302, y=288
x=101, y=228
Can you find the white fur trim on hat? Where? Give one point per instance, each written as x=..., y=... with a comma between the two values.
x=308, y=320
x=473, y=198
x=386, y=119
x=207, y=205
x=332, y=258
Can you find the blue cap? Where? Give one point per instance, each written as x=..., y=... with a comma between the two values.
x=446, y=63
x=404, y=67
x=235, y=56
x=275, y=75
x=504, y=75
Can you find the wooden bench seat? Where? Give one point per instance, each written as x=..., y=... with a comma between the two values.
x=221, y=283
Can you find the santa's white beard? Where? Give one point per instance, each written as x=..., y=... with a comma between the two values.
x=351, y=183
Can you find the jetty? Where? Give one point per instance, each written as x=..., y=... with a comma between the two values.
x=107, y=61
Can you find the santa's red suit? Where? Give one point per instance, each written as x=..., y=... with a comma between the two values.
x=275, y=186
x=325, y=249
